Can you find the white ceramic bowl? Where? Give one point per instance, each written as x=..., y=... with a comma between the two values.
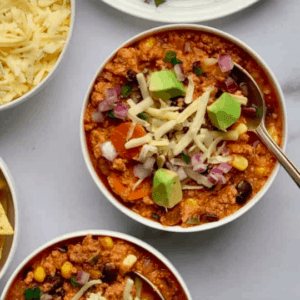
x=180, y=11
x=48, y=78
x=134, y=215
x=12, y=213
x=118, y=235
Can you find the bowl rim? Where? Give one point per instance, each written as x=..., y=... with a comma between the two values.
x=136, y=216
x=12, y=188
x=42, y=84
x=183, y=18
x=99, y=232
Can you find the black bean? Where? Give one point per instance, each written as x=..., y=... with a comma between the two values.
x=244, y=190
x=196, y=65
x=62, y=249
x=26, y=271
x=61, y=293
x=219, y=93
x=249, y=111
x=109, y=273
x=131, y=75
x=209, y=218
x=58, y=282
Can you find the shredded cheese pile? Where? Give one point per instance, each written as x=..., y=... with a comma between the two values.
x=164, y=118
x=32, y=36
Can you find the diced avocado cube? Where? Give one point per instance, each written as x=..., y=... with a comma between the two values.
x=164, y=85
x=224, y=112
x=166, y=188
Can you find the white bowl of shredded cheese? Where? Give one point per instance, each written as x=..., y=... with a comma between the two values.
x=34, y=36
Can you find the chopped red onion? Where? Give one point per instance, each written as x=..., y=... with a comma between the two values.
x=225, y=168
x=104, y=106
x=109, y=151
x=231, y=85
x=113, y=94
x=212, y=178
x=179, y=73
x=46, y=297
x=197, y=159
x=149, y=163
x=225, y=63
x=82, y=277
x=200, y=168
x=118, y=90
x=120, y=111
x=181, y=174
x=225, y=152
x=216, y=176
x=216, y=170
x=97, y=117
x=187, y=47
x=221, y=178
x=140, y=171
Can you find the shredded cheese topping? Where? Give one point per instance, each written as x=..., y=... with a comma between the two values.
x=85, y=288
x=166, y=138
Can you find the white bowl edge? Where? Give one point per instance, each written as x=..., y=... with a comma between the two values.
x=11, y=185
x=49, y=77
x=159, y=17
x=134, y=215
x=114, y=234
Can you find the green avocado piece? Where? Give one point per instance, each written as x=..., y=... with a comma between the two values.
x=166, y=188
x=164, y=85
x=224, y=111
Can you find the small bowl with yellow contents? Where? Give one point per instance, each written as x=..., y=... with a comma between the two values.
x=34, y=36
x=165, y=128
x=95, y=265
x=8, y=218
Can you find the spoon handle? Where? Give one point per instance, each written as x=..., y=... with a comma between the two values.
x=277, y=151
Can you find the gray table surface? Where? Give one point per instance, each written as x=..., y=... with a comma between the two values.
x=255, y=257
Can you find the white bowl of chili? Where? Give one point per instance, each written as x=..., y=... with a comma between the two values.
x=27, y=72
x=83, y=243
x=8, y=200
x=256, y=66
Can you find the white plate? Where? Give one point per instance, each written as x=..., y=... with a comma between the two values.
x=179, y=11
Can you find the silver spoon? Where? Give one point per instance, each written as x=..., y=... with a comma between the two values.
x=155, y=289
x=258, y=123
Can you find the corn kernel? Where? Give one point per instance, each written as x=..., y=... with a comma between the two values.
x=39, y=274
x=95, y=274
x=241, y=128
x=150, y=42
x=66, y=270
x=260, y=170
x=240, y=162
x=274, y=135
x=107, y=243
x=128, y=263
x=191, y=202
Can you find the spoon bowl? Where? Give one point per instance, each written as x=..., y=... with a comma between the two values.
x=150, y=284
x=257, y=124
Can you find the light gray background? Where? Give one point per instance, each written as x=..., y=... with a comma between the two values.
x=255, y=257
